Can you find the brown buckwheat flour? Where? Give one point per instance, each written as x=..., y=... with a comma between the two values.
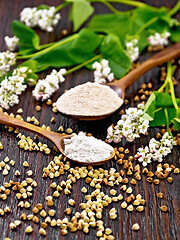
x=89, y=99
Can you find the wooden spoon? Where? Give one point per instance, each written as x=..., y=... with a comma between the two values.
x=56, y=138
x=120, y=86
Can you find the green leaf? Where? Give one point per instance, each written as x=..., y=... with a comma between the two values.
x=165, y=100
x=71, y=53
x=154, y=108
x=24, y=51
x=160, y=118
x=176, y=122
x=118, y=24
x=150, y=107
x=175, y=34
x=146, y=13
x=143, y=15
x=31, y=64
x=113, y=51
x=81, y=11
x=28, y=37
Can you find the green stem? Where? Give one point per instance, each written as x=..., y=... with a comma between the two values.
x=147, y=24
x=55, y=45
x=157, y=110
x=58, y=8
x=126, y=2
x=167, y=119
x=107, y=4
x=170, y=73
x=163, y=86
x=167, y=88
x=83, y=64
x=45, y=45
x=169, y=79
x=175, y=9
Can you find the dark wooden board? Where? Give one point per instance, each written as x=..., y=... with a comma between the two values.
x=154, y=223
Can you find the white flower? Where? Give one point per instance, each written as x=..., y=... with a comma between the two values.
x=132, y=50
x=156, y=150
x=105, y=63
x=159, y=39
x=11, y=42
x=13, y=86
x=102, y=73
x=143, y=127
x=130, y=126
x=144, y=164
x=140, y=106
x=46, y=87
x=45, y=19
x=7, y=59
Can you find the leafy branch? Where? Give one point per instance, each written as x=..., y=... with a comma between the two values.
x=105, y=37
x=163, y=108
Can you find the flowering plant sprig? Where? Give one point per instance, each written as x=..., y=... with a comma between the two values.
x=161, y=109
x=102, y=73
x=46, y=87
x=112, y=45
x=159, y=39
x=7, y=59
x=45, y=19
x=117, y=41
x=132, y=50
x=13, y=86
x=130, y=125
x=156, y=150
x=11, y=42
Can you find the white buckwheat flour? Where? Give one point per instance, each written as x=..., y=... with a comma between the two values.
x=89, y=99
x=86, y=149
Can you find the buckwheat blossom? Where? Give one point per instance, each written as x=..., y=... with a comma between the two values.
x=12, y=86
x=11, y=42
x=156, y=150
x=7, y=59
x=130, y=125
x=102, y=73
x=159, y=39
x=46, y=87
x=45, y=19
x=132, y=50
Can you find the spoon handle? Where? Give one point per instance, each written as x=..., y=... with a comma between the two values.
x=157, y=59
x=14, y=122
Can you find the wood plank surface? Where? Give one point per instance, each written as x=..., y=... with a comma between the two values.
x=154, y=224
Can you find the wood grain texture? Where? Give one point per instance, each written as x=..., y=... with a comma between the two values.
x=155, y=225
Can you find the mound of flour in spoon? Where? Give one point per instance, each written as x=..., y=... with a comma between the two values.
x=86, y=149
x=89, y=99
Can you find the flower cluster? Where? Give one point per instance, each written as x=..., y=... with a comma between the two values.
x=102, y=74
x=11, y=42
x=42, y=18
x=7, y=59
x=156, y=150
x=46, y=87
x=130, y=125
x=13, y=86
x=132, y=50
x=159, y=39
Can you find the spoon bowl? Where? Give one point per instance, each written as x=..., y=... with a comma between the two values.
x=56, y=138
x=120, y=86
